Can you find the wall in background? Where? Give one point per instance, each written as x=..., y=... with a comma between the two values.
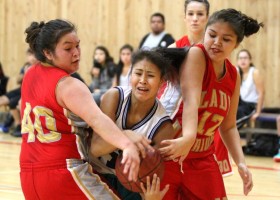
x=113, y=23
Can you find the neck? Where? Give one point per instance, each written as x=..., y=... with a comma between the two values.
x=195, y=38
x=140, y=107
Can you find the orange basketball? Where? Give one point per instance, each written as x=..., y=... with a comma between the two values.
x=150, y=165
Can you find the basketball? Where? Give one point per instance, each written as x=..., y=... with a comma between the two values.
x=150, y=165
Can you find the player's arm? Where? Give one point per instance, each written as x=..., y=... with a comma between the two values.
x=87, y=109
x=259, y=82
x=230, y=137
x=108, y=106
x=165, y=132
x=192, y=72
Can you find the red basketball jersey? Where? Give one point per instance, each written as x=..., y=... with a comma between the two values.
x=46, y=135
x=183, y=42
x=214, y=105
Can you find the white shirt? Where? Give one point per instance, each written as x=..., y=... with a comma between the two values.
x=248, y=90
x=153, y=40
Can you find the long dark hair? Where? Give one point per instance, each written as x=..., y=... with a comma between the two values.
x=2, y=74
x=168, y=60
x=121, y=64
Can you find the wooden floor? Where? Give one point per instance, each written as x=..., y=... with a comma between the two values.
x=266, y=175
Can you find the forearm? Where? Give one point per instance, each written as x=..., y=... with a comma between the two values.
x=260, y=103
x=232, y=141
x=106, y=128
x=100, y=147
x=189, y=125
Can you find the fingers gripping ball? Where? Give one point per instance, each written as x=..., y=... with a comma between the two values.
x=150, y=165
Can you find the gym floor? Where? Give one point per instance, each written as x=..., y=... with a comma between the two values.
x=266, y=175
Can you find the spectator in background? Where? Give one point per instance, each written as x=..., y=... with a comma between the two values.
x=12, y=98
x=276, y=158
x=123, y=67
x=251, y=90
x=103, y=72
x=158, y=37
x=3, y=81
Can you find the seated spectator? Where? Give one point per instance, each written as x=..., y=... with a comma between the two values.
x=276, y=158
x=3, y=81
x=12, y=98
x=103, y=72
x=251, y=89
x=123, y=68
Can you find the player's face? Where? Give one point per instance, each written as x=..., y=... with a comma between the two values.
x=100, y=56
x=126, y=56
x=145, y=80
x=243, y=60
x=157, y=25
x=67, y=53
x=196, y=17
x=219, y=41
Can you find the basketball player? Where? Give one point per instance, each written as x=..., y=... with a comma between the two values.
x=210, y=90
x=51, y=160
x=137, y=109
x=196, y=16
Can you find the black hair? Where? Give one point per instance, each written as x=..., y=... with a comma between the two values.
x=2, y=74
x=241, y=24
x=158, y=14
x=45, y=36
x=205, y=2
x=109, y=62
x=168, y=60
x=120, y=64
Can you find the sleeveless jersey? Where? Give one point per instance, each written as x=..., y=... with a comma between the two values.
x=46, y=135
x=214, y=105
x=248, y=90
x=147, y=127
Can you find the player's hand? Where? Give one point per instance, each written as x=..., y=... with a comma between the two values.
x=131, y=161
x=175, y=149
x=142, y=143
x=246, y=178
x=152, y=190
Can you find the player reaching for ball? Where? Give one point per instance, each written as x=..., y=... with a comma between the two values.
x=136, y=109
x=52, y=163
x=210, y=90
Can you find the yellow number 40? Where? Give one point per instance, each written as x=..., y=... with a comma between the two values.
x=40, y=113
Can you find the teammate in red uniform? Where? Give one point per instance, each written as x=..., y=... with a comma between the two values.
x=210, y=91
x=53, y=157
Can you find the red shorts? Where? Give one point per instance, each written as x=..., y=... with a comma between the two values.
x=73, y=180
x=201, y=179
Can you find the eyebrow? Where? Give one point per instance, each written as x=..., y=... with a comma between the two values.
x=149, y=71
x=67, y=42
x=229, y=35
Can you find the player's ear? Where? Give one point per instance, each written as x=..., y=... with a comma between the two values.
x=48, y=54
